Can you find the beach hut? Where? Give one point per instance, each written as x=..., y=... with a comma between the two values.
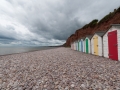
x=72, y=45
x=79, y=44
x=75, y=45
x=97, y=44
x=111, y=42
x=82, y=45
x=88, y=44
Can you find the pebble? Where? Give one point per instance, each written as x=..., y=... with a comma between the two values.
x=82, y=85
x=0, y=81
x=72, y=85
x=58, y=69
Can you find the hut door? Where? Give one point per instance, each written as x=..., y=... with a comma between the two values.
x=95, y=45
x=79, y=46
x=113, y=46
x=86, y=45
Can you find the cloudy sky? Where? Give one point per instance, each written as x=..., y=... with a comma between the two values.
x=47, y=22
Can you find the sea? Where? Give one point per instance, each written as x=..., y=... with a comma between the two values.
x=20, y=49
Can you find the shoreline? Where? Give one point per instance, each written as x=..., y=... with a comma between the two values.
x=52, y=47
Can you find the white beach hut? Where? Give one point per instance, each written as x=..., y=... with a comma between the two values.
x=96, y=43
x=111, y=42
x=74, y=45
x=77, y=45
x=88, y=43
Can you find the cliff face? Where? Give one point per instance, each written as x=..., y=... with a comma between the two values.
x=103, y=24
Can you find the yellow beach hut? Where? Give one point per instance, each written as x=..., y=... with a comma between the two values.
x=97, y=43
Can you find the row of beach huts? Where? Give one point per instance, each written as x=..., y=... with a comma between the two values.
x=102, y=43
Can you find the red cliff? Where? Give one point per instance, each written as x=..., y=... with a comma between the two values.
x=93, y=26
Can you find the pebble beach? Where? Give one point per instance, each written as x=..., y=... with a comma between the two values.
x=58, y=69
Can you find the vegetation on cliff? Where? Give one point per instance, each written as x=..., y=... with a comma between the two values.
x=93, y=23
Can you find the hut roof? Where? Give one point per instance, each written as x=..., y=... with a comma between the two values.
x=115, y=24
x=83, y=38
x=89, y=36
x=100, y=33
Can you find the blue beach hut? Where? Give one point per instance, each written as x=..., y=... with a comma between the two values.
x=82, y=45
x=80, y=49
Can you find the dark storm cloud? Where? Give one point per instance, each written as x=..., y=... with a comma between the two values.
x=6, y=38
x=48, y=22
x=7, y=32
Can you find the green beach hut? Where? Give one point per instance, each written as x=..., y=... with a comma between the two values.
x=88, y=43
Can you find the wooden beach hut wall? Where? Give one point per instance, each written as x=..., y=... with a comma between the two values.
x=82, y=44
x=88, y=44
x=97, y=44
x=77, y=45
x=74, y=46
x=111, y=42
